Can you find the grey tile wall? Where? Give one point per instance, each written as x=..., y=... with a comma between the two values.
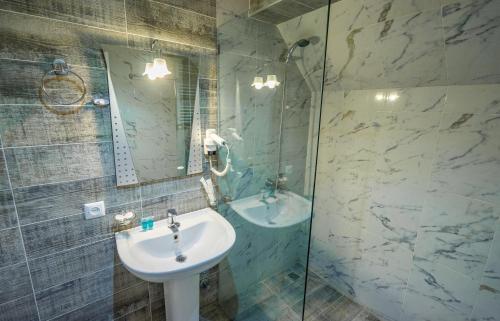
x=54, y=265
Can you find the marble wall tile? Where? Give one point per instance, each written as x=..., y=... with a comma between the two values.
x=445, y=294
x=418, y=99
x=45, y=39
x=480, y=99
x=237, y=105
x=294, y=171
x=405, y=147
x=457, y=232
x=396, y=208
x=271, y=46
x=391, y=264
x=146, y=18
x=394, y=214
x=243, y=182
x=69, y=265
x=351, y=161
x=50, y=237
x=333, y=104
x=337, y=270
x=486, y=306
x=57, y=163
x=15, y=281
x=491, y=276
x=102, y=13
x=21, y=309
x=466, y=161
x=267, y=133
x=238, y=35
x=43, y=202
x=309, y=60
x=339, y=213
x=402, y=52
x=294, y=144
x=11, y=248
x=472, y=41
x=349, y=15
x=66, y=297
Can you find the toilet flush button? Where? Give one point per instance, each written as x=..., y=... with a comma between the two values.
x=94, y=210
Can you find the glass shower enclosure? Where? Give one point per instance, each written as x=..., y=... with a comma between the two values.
x=271, y=64
x=403, y=180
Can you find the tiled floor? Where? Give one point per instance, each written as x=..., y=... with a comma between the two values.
x=284, y=303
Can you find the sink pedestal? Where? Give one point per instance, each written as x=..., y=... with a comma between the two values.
x=182, y=298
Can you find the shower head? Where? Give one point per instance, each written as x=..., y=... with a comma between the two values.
x=300, y=43
x=303, y=43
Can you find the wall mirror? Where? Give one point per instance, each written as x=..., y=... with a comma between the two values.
x=155, y=112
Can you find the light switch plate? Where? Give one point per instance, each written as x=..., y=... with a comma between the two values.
x=94, y=210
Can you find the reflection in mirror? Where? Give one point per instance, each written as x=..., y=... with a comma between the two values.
x=153, y=119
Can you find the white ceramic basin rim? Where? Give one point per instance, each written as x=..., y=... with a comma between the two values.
x=204, y=237
x=286, y=210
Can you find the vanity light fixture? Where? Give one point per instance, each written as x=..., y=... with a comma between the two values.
x=258, y=83
x=272, y=81
x=158, y=68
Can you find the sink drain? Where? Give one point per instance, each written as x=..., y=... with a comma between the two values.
x=181, y=258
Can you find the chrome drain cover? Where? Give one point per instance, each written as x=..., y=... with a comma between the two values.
x=181, y=258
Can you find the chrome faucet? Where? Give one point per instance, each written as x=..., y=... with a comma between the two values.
x=172, y=224
x=268, y=191
x=281, y=183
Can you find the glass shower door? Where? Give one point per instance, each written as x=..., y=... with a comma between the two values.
x=272, y=132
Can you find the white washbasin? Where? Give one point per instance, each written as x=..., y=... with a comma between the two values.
x=204, y=237
x=286, y=209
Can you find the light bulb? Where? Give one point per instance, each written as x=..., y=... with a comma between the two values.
x=157, y=69
x=258, y=83
x=272, y=81
x=160, y=67
x=148, y=70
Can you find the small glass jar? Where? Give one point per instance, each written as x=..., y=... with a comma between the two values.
x=147, y=223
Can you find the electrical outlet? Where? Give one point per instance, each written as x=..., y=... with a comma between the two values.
x=94, y=210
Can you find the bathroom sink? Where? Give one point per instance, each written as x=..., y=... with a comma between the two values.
x=176, y=258
x=286, y=209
